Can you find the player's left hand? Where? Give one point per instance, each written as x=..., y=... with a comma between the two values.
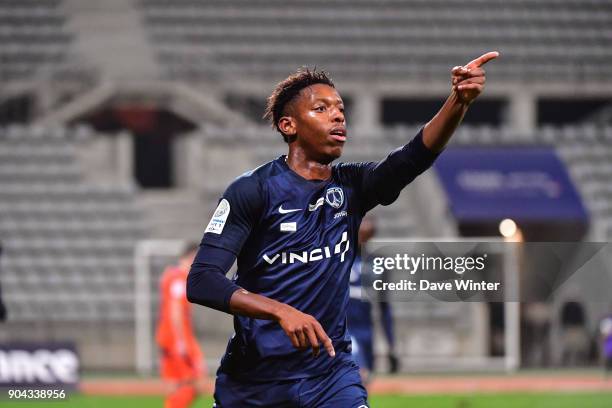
x=469, y=80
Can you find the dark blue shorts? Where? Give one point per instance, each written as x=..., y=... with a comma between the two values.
x=340, y=388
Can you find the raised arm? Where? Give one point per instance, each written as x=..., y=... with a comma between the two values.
x=468, y=82
x=382, y=182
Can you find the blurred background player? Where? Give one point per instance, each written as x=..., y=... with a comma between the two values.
x=606, y=340
x=359, y=313
x=181, y=357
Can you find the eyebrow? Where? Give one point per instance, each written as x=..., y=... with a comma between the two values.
x=323, y=99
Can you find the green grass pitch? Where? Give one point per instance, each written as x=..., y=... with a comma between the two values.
x=517, y=400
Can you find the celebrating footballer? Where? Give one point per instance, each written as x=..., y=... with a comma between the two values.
x=292, y=224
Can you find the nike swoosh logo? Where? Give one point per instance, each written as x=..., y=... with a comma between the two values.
x=312, y=207
x=283, y=211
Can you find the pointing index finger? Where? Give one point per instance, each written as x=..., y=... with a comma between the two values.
x=483, y=59
x=327, y=343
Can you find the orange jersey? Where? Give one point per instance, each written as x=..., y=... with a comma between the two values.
x=172, y=290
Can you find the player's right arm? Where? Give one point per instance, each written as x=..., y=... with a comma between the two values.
x=236, y=216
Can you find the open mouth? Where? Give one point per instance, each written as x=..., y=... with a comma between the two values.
x=338, y=134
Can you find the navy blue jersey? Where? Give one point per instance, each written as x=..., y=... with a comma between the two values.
x=295, y=241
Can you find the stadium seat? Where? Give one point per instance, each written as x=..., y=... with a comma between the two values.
x=382, y=39
x=63, y=238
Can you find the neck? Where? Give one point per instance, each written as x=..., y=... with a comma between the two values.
x=308, y=168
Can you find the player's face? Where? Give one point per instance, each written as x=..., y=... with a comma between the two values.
x=320, y=124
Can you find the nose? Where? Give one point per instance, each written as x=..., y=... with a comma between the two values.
x=338, y=115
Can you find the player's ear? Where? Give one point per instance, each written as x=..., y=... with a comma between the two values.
x=286, y=124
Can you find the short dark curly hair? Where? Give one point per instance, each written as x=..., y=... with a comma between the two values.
x=287, y=89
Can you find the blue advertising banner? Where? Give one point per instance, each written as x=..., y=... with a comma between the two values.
x=525, y=184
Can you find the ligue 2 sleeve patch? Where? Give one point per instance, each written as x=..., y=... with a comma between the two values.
x=217, y=222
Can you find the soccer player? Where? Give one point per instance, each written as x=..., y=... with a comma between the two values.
x=359, y=312
x=605, y=328
x=292, y=225
x=181, y=358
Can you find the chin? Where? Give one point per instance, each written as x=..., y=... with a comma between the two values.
x=335, y=153
x=328, y=156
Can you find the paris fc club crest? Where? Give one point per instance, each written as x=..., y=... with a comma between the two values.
x=334, y=197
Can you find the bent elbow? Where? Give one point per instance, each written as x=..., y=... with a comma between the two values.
x=190, y=297
x=190, y=291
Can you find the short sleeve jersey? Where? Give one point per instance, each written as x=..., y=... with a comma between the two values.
x=295, y=241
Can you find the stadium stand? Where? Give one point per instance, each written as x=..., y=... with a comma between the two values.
x=34, y=37
x=590, y=165
x=416, y=39
x=68, y=244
